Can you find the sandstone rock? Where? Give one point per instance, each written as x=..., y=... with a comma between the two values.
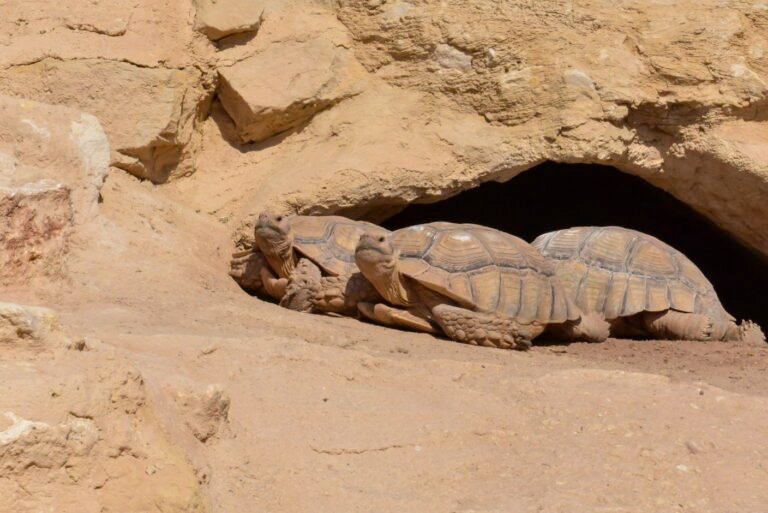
x=148, y=113
x=221, y=18
x=39, y=141
x=53, y=162
x=138, y=65
x=29, y=329
x=286, y=84
x=148, y=33
x=204, y=411
x=38, y=221
x=26, y=443
x=84, y=439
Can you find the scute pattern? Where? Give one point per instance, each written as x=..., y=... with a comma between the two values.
x=330, y=241
x=484, y=269
x=623, y=272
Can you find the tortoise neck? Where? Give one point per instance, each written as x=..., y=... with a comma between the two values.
x=396, y=291
x=281, y=257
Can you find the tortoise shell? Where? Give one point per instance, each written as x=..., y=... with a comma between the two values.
x=484, y=269
x=329, y=241
x=622, y=272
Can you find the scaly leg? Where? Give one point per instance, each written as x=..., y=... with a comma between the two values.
x=302, y=287
x=482, y=329
x=394, y=317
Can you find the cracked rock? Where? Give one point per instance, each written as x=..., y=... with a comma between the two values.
x=286, y=85
x=221, y=18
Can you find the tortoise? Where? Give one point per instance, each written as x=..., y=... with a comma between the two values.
x=643, y=286
x=476, y=284
x=312, y=261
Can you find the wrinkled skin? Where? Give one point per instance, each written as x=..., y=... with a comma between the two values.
x=251, y=271
x=309, y=291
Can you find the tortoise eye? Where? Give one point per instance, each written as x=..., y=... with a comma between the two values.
x=279, y=218
x=381, y=238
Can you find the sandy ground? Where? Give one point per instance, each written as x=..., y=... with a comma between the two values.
x=332, y=414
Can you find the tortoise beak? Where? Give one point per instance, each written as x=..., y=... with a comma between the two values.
x=269, y=226
x=370, y=242
x=265, y=221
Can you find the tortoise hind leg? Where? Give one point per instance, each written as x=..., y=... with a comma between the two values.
x=591, y=327
x=481, y=329
x=750, y=332
x=674, y=325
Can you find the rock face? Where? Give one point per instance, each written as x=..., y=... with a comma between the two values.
x=53, y=162
x=485, y=90
x=656, y=90
x=156, y=106
x=34, y=236
x=135, y=65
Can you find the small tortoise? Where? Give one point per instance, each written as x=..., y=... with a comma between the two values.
x=313, y=258
x=643, y=286
x=479, y=285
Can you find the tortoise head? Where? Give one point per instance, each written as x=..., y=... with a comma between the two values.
x=374, y=251
x=377, y=259
x=274, y=238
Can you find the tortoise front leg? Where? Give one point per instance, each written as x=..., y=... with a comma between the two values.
x=396, y=318
x=480, y=329
x=303, y=287
x=245, y=267
x=274, y=286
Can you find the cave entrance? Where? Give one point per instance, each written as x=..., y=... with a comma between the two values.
x=554, y=196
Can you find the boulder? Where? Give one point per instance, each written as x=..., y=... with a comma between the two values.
x=218, y=19
x=286, y=85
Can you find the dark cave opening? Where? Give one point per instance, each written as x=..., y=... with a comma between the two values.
x=554, y=196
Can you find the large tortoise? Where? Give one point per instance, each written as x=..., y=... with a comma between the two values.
x=643, y=286
x=479, y=285
x=313, y=261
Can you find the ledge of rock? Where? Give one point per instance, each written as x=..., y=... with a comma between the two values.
x=148, y=113
x=218, y=19
x=286, y=84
